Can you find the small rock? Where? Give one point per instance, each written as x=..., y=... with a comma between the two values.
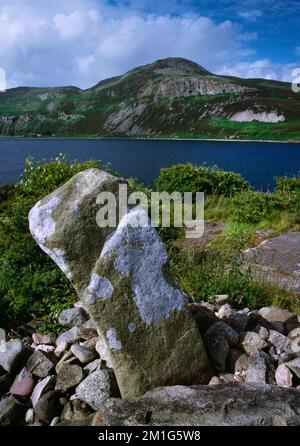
x=23, y=384
x=41, y=388
x=90, y=343
x=224, y=311
x=63, y=346
x=11, y=411
x=252, y=342
x=211, y=307
x=230, y=334
x=68, y=376
x=256, y=371
x=45, y=348
x=214, y=381
x=92, y=366
x=11, y=355
x=48, y=407
x=280, y=342
x=221, y=299
x=84, y=354
x=75, y=334
x=97, y=388
x=294, y=334
x=285, y=357
x=55, y=421
x=229, y=378
x=39, y=338
x=29, y=417
x=283, y=376
x=294, y=366
x=275, y=314
x=90, y=324
x=241, y=364
x=262, y=332
x=217, y=348
x=72, y=317
x=78, y=304
x=39, y=364
x=67, y=413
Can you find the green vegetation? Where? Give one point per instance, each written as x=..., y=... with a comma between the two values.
x=32, y=286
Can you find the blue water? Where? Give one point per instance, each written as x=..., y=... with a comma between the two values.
x=259, y=163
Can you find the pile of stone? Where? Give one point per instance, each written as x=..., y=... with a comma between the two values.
x=68, y=380
x=260, y=346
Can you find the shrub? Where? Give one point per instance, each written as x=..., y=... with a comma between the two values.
x=287, y=184
x=210, y=180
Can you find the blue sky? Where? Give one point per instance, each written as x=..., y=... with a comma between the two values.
x=79, y=42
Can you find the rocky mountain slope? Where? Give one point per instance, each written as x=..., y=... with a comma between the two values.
x=170, y=98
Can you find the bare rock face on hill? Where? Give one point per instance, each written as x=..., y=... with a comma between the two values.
x=121, y=275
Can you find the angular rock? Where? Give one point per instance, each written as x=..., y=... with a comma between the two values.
x=39, y=364
x=275, y=314
x=41, y=388
x=262, y=332
x=92, y=366
x=256, y=371
x=230, y=334
x=283, y=376
x=224, y=311
x=23, y=384
x=238, y=321
x=117, y=268
x=294, y=334
x=29, y=416
x=84, y=354
x=68, y=376
x=39, y=338
x=10, y=356
x=221, y=299
x=294, y=366
x=73, y=317
x=75, y=334
x=48, y=407
x=280, y=342
x=97, y=388
x=252, y=342
x=241, y=364
x=229, y=404
x=214, y=381
x=11, y=411
x=45, y=348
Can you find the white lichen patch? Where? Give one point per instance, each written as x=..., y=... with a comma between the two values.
x=101, y=286
x=141, y=255
x=113, y=342
x=41, y=223
x=250, y=115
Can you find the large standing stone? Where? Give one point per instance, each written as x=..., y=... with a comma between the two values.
x=121, y=275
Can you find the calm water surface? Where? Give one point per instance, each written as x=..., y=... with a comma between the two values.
x=259, y=163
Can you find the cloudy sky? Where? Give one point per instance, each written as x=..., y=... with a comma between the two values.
x=79, y=42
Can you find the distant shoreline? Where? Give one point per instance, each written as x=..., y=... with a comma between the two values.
x=103, y=138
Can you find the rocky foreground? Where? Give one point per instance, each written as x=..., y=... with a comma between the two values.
x=66, y=380
x=135, y=350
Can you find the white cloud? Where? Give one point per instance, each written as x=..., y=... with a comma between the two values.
x=297, y=50
x=80, y=42
x=251, y=15
x=263, y=68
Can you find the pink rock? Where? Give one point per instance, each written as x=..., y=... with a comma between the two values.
x=39, y=338
x=283, y=376
x=23, y=384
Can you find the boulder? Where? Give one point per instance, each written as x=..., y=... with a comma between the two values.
x=217, y=348
x=256, y=371
x=117, y=268
x=275, y=314
x=11, y=411
x=280, y=342
x=11, y=355
x=229, y=333
x=238, y=320
x=72, y=317
x=203, y=316
x=226, y=404
x=97, y=388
